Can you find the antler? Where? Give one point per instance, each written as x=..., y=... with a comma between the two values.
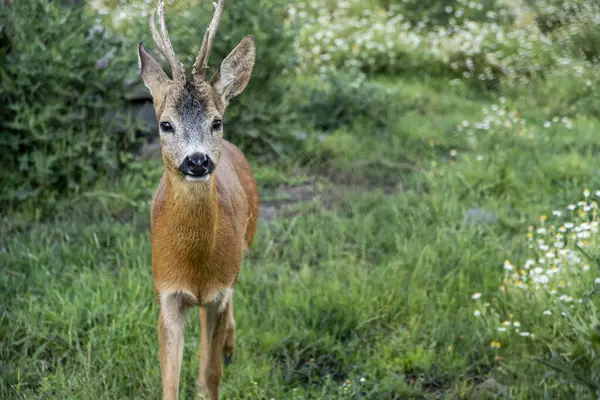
x=164, y=43
x=201, y=63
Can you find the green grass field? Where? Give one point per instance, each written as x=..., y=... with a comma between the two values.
x=359, y=284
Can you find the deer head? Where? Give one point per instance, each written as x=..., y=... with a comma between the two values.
x=190, y=112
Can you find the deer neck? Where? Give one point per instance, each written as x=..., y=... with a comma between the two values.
x=191, y=210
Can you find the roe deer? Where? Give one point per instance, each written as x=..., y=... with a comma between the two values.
x=205, y=209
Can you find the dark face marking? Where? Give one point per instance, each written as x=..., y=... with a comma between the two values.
x=192, y=106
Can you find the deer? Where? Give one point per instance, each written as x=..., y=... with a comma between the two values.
x=205, y=209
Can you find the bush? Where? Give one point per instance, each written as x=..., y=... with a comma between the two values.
x=445, y=12
x=59, y=77
x=339, y=99
x=573, y=24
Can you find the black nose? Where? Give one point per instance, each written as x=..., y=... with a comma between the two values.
x=198, y=164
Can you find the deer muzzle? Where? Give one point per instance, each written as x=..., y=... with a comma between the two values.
x=197, y=166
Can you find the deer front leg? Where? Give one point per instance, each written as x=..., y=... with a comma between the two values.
x=213, y=318
x=171, y=321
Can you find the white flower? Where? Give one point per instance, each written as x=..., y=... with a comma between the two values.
x=502, y=329
x=571, y=207
x=479, y=157
x=586, y=267
x=362, y=379
x=517, y=324
x=538, y=270
x=547, y=124
x=477, y=313
x=586, y=193
x=597, y=193
x=569, y=225
x=525, y=334
x=597, y=281
x=476, y=296
x=547, y=312
x=508, y=266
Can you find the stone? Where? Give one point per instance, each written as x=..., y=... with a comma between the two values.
x=480, y=216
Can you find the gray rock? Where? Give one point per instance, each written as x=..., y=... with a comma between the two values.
x=479, y=216
x=150, y=151
x=144, y=113
x=137, y=91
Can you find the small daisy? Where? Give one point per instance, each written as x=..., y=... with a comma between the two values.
x=476, y=296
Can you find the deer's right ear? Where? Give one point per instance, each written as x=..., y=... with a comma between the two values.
x=152, y=73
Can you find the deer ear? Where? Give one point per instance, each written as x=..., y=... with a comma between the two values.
x=152, y=73
x=235, y=70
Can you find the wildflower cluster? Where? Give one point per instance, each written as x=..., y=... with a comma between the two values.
x=500, y=119
x=556, y=276
x=350, y=35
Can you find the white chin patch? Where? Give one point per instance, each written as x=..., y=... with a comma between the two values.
x=197, y=178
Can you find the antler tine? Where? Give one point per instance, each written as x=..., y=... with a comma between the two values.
x=201, y=63
x=164, y=43
x=157, y=39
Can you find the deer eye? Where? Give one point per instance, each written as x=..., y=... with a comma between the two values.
x=217, y=124
x=166, y=126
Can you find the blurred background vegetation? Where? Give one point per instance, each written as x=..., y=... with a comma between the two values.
x=70, y=76
x=404, y=149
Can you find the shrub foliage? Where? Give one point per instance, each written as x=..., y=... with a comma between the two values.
x=60, y=75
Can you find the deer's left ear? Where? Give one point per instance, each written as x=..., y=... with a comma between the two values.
x=235, y=70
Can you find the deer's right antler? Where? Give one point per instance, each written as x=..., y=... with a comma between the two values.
x=164, y=43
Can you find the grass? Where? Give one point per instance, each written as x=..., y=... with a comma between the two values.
x=362, y=291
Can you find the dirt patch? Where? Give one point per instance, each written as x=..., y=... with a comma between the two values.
x=284, y=196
